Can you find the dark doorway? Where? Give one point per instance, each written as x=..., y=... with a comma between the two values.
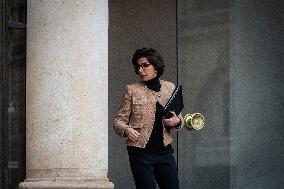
x=12, y=94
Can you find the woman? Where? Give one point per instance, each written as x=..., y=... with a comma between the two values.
x=140, y=121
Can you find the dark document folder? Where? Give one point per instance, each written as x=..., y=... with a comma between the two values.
x=175, y=103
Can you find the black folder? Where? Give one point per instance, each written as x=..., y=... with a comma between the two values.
x=175, y=103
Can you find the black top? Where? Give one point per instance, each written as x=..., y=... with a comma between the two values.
x=155, y=143
x=153, y=84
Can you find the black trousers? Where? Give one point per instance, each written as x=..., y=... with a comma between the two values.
x=147, y=168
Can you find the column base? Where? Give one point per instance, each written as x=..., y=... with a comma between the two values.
x=66, y=184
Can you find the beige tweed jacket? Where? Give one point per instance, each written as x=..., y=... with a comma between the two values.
x=138, y=110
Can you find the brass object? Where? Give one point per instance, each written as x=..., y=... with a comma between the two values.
x=194, y=121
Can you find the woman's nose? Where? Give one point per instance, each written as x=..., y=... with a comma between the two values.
x=140, y=69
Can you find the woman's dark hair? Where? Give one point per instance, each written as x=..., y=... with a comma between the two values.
x=153, y=57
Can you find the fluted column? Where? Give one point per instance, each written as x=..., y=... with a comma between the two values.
x=67, y=94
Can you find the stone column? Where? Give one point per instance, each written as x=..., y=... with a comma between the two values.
x=67, y=94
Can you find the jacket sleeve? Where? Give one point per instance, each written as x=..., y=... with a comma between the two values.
x=121, y=121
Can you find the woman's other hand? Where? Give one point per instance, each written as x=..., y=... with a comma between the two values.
x=173, y=121
x=131, y=133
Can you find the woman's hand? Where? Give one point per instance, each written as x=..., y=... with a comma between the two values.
x=173, y=121
x=131, y=133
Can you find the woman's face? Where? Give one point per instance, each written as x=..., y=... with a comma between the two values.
x=146, y=71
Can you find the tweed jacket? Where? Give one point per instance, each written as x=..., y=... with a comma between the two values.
x=138, y=109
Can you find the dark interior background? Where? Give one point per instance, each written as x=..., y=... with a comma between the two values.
x=12, y=92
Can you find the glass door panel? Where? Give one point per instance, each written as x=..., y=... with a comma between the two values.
x=230, y=63
x=203, y=70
